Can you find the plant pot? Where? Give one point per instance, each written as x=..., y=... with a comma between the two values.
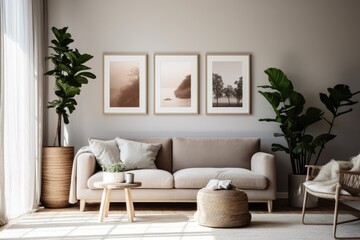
x=296, y=192
x=114, y=177
x=56, y=176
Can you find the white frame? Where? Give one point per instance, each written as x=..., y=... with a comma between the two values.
x=226, y=57
x=193, y=59
x=142, y=59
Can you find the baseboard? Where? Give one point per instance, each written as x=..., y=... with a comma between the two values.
x=281, y=195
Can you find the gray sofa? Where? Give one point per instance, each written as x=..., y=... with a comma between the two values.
x=185, y=165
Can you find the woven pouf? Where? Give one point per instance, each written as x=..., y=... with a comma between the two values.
x=222, y=208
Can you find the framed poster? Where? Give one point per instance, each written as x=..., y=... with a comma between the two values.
x=176, y=84
x=125, y=83
x=228, y=83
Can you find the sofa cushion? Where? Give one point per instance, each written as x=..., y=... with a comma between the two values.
x=137, y=155
x=213, y=152
x=105, y=152
x=199, y=177
x=164, y=156
x=149, y=178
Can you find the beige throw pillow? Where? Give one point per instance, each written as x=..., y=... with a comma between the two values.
x=105, y=152
x=136, y=155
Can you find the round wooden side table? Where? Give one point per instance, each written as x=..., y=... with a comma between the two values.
x=105, y=199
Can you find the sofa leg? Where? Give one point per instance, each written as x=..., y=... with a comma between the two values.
x=270, y=205
x=82, y=205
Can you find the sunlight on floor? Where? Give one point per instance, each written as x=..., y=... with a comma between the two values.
x=164, y=225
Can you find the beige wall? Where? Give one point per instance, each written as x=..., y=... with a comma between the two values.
x=317, y=43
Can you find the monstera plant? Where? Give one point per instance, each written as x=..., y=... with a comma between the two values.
x=70, y=73
x=288, y=105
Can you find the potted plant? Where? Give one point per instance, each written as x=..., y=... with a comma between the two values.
x=303, y=147
x=70, y=74
x=114, y=172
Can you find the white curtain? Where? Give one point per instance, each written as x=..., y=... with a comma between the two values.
x=3, y=218
x=23, y=26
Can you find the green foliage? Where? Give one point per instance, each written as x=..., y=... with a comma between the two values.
x=114, y=167
x=288, y=106
x=70, y=74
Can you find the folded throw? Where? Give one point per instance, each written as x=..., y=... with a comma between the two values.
x=216, y=184
x=327, y=178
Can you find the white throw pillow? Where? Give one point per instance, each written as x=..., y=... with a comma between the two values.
x=136, y=155
x=105, y=152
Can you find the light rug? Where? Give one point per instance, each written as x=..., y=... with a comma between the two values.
x=166, y=225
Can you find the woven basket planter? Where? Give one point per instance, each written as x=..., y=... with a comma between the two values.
x=56, y=175
x=222, y=208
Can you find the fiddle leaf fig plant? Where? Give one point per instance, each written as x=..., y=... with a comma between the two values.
x=70, y=74
x=288, y=106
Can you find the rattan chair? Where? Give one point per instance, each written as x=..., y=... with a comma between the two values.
x=347, y=180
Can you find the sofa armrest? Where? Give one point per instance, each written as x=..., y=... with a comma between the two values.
x=265, y=164
x=86, y=165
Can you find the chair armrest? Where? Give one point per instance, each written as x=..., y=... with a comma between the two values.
x=312, y=171
x=86, y=165
x=265, y=164
x=349, y=181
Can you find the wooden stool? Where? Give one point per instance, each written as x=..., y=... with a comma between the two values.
x=105, y=199
x=222, y=208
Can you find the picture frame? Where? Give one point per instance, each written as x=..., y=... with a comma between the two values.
x=125, y=83
x=176, y=83
x=228, y=83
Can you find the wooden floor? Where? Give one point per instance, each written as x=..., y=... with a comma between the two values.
x=280, y=206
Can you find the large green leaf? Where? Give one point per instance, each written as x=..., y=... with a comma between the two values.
x=328, y=103
x=311, y=116
x=67, y=90
x=64, y=68
x=322, y=139
x=266, y=86
x=279, y=81
x=268, y=120
x=273, y=98
x=302, y=147
x=296, y=105
x=84, y=58
x=87, y=74
x=51, y=72
x=80, y=68
x=278, y=147
x=53, y=104
x=71, y=56
x=296, y=98
x=81, y=80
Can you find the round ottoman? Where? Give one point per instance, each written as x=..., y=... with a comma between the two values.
x=222, y=208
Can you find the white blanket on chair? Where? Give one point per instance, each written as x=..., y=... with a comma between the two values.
x=327, y=178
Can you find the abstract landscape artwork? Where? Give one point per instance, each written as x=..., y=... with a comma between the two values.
x=176, y=84
x=228, y=83
x=125, y=79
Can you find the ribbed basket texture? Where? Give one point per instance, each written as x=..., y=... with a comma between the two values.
x=222, y=208
x=56, y=175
